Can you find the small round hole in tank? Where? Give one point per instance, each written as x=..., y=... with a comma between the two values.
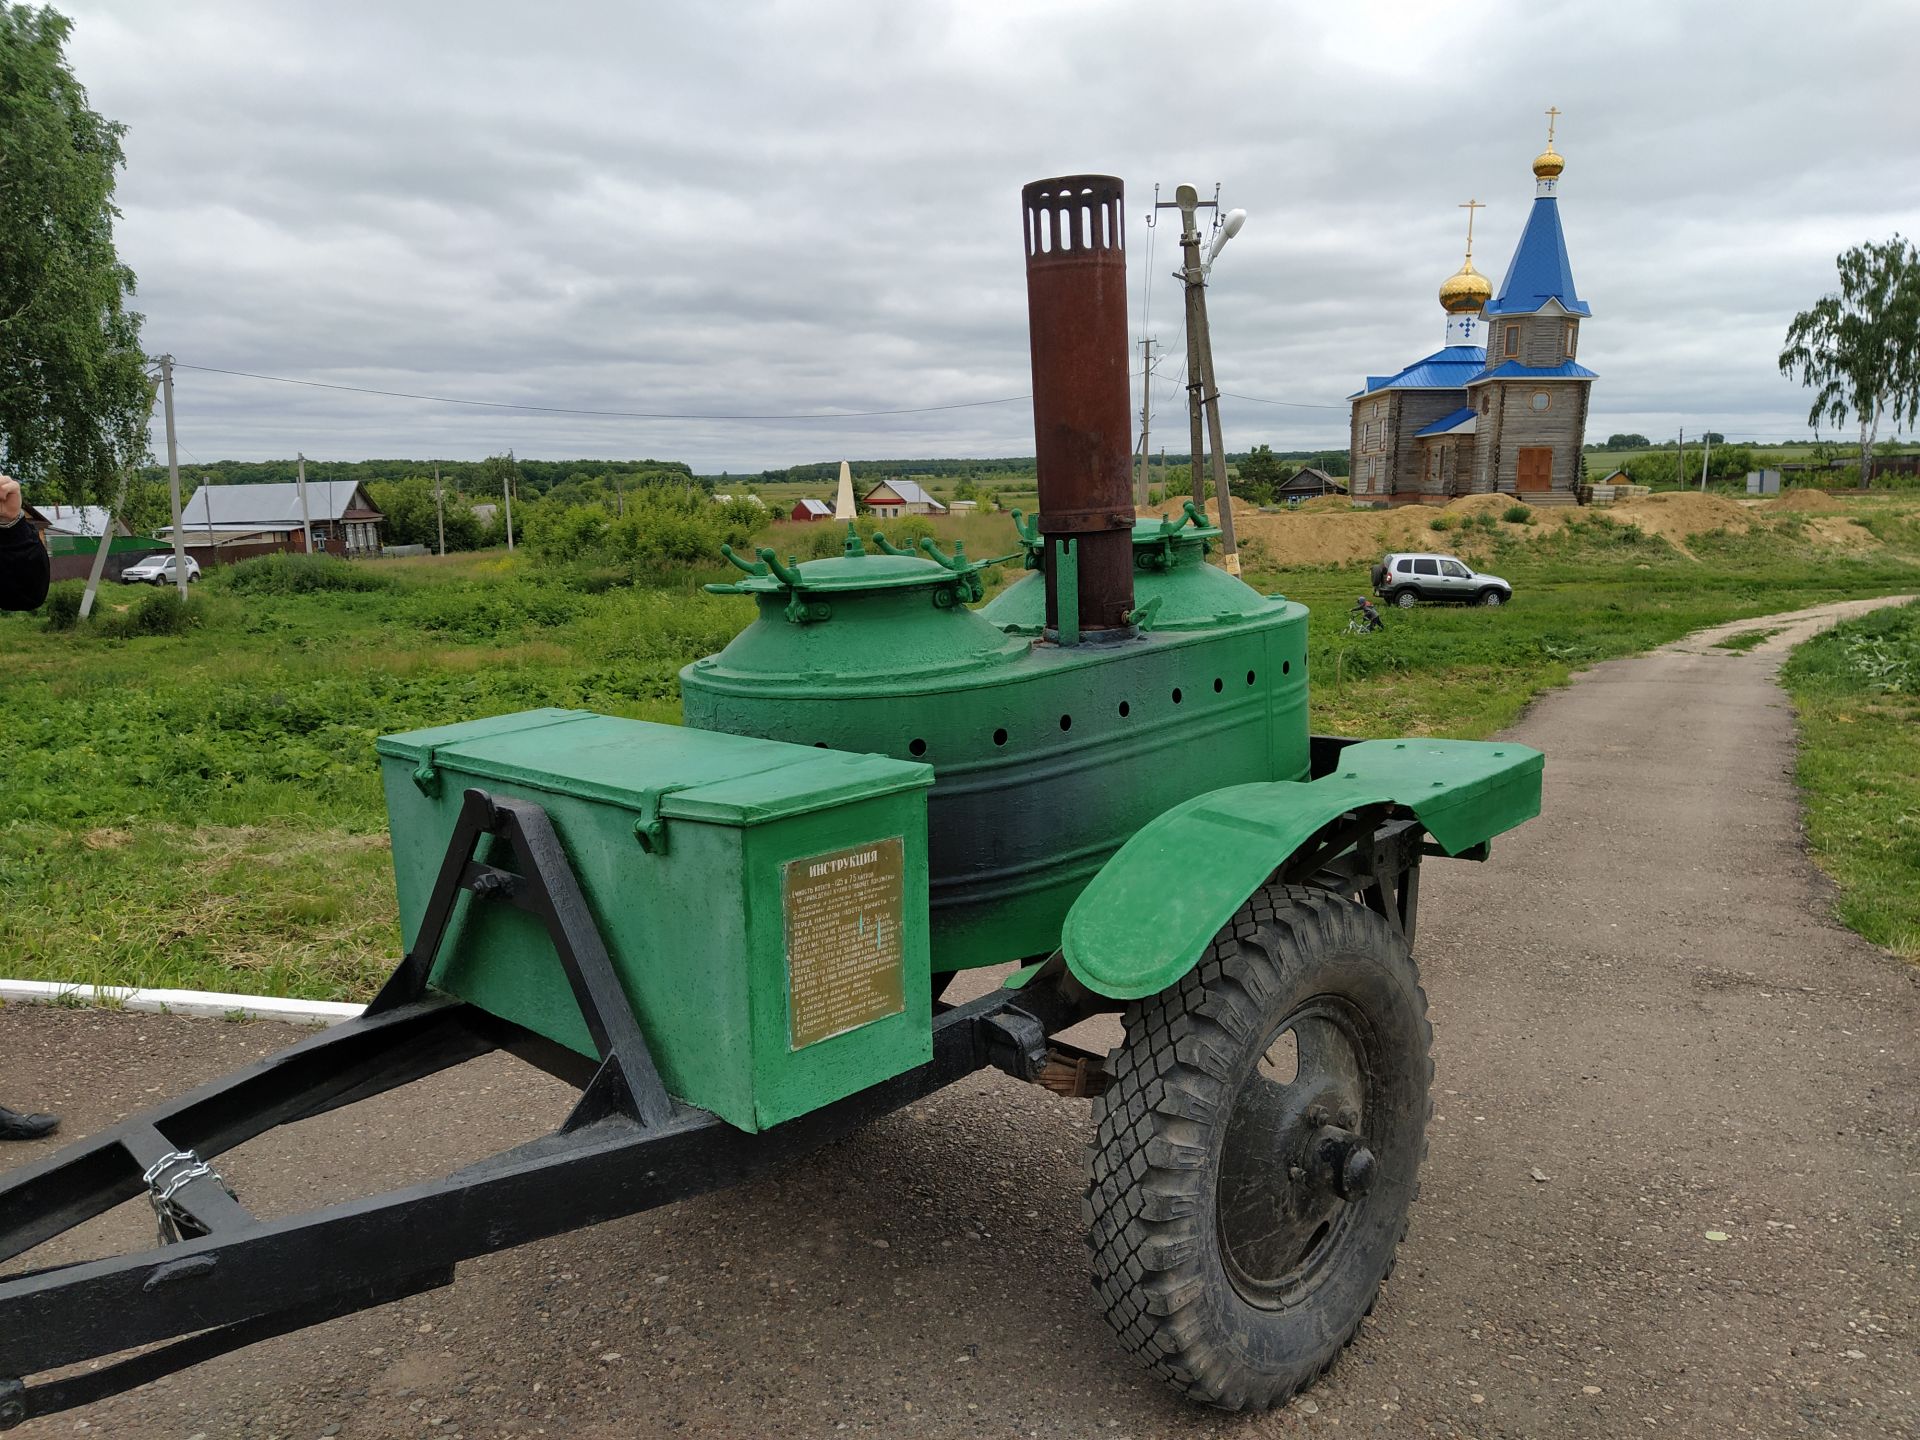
x=1286, y=667
x=1000, y=737
x=1125, y=709
x=1176, y=696
x=820, y=745
x=1066, y=722
x=1249, y=677
x=916, y=747
x=1218, y=685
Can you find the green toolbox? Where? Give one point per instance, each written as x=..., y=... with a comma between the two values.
x=764, y=903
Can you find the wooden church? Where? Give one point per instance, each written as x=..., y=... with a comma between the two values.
x=1502, y=405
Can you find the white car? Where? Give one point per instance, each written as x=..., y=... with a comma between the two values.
x=1406, y=580
x=158, y=569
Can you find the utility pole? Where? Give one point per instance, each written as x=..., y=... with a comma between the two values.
x=1203, y=395
x=440, y=508
x=306, y=520
x=1706, y=459
x=1680, y=457
x=1147, y=362
x=173, y=477
x=506, y=490
x=119, y=504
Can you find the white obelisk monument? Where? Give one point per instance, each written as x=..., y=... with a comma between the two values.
x=843, y=508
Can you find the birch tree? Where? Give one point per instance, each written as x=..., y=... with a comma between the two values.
x=1859, y=350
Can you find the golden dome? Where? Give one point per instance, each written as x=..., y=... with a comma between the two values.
x=1548, y=164
x=1465, y=291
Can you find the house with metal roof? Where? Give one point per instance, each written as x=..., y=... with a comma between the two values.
x=337, y=513
x=808, y=508
x=1502, y=406
x=901, y=497
x=81, y=521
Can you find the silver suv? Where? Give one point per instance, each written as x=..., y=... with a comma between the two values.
x=1407, y=579
x=158, y=569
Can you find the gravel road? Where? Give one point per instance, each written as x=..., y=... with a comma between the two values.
x=1674, y=1187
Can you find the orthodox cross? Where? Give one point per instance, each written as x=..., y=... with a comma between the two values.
x=1470, y=207
x=1553, y=118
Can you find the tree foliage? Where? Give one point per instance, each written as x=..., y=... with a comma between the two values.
x=73, y=392
x=1859, y=350
x=1260, y=475
x=409, y=507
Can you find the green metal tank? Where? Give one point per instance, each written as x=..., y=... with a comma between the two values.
x=1047, y=755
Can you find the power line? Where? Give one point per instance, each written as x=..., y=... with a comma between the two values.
x=1291, y=404
x=606, y=414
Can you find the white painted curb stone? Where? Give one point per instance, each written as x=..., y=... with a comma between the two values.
x=178, y=1002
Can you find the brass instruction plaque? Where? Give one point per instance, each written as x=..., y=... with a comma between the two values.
x=845, y=948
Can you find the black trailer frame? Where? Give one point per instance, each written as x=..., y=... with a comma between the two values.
x=219, y=1278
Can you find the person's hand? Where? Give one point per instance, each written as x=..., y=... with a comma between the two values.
x=10, y=501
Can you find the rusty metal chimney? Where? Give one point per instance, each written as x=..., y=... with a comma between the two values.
x=1082, y=428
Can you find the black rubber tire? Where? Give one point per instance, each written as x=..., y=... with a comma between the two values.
x=1492, y=599
x=1158, y=1266
x=1406, y=599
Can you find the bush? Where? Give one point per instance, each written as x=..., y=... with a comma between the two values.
x=490, y=612
x=1441, y=522
x=161, y=613
x=1517, y=515
x=291, y=574
x=664, y=533
x=62, y=607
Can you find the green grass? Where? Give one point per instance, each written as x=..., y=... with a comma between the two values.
x=1581, y=596
x=1857, y=691
x=203, y=809
x=1745, y=641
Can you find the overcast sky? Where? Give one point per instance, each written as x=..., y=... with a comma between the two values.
x=777, y=209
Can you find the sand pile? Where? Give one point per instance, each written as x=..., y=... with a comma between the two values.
x=1328, y=531
x=1480, y=504
x=1840, y=532
x=1811, y=501
x=1676, y=515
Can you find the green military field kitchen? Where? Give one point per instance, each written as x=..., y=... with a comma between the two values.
x=734, y=936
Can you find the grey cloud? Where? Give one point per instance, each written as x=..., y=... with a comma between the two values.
x=784, y=208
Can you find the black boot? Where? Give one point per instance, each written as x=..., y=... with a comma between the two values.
x=15, y=1126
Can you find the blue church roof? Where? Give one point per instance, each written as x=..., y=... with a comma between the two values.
x=1446, y=422
x=1539, y=271
x=1514, y=370
x=1448, y=369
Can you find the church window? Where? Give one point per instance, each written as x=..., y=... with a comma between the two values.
x=1573, y=334
x=1541, y=400
x=1511, y=342
x=1486, y=402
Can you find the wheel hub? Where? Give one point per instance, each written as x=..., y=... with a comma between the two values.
x=1296, y=1162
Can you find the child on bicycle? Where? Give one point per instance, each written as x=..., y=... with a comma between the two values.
x=1369, y=616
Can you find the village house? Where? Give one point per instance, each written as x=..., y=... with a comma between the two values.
x=1309, y=483
x=236, y=521
x=901, y=497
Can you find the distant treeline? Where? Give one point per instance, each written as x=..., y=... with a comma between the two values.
x=1334, y=462
x=472, y=476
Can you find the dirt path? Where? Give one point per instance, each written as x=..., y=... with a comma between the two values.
x=1641, y=998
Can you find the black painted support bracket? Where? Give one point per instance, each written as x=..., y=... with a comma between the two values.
x=544, y=886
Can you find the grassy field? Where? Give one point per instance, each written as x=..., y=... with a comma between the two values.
x=1857, y=690
x=203, y=809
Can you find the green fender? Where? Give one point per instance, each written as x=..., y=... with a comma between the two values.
x=1146, y=918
